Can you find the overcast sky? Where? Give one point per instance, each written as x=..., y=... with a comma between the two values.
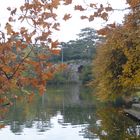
x=70, y=28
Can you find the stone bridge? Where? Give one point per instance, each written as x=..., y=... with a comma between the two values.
x=74, y=68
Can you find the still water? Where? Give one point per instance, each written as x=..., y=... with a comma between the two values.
x=67, y=113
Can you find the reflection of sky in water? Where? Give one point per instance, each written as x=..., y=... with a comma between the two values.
x=69, y=114
x=58, y=131
x=64, y=115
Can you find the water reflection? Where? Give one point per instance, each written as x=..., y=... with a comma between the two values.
x=68, y=112
x=63, y=112
x=115, y=125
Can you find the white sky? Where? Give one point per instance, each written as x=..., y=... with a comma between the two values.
x=70, y=28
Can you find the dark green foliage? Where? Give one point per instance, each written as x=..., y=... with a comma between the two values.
x=58, y=78
x=86, y=74
x=83, y=48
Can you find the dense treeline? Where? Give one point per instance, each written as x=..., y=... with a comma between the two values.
x=117, y=63
x=83, y=48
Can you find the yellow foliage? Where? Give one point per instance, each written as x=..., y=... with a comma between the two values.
x=117, y=63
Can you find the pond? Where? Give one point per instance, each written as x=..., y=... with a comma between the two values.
x=66, y=113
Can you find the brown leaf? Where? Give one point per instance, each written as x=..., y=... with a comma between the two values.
x=13, y=12
x=54, y=44
x=28, y=39
x=55, y=3
x=103, y=31
x=96, y=14
x=22, y=8
x=93, y=5
x=101, y=6
x=84, y=17
x=2, y=126
x=45, y=35
x=9, y=29
x=67, y=2
x=66, y=17
x=108, y=9
x=11, y=19
x=23, y=30
x=112, y=25
x=91, y=18
x=79, y=7
x=9, y=8
x=100, y=9
x=55, y=26
x=104, y=16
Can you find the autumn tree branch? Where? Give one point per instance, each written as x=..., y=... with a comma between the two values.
x=113, y=9
x=17, y=68
x=4, y=73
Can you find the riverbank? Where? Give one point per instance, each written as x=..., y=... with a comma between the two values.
x=134, y=111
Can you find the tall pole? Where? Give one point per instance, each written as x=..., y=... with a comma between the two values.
x=62, y=55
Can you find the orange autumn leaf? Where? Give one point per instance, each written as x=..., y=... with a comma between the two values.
x=67, y=2
x=7, y=69
x=2, y=100
x=133, y=3
x=48, y=75
x=43, y=56
x=55, y=51
x=2, y=126
x=23, y=46
x=41, y=89
x=54, y=44
x=55, y=3
x=30, y=97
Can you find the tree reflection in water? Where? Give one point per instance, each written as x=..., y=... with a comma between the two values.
x=114, y=125
x=73, y=104
x=75, y=108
